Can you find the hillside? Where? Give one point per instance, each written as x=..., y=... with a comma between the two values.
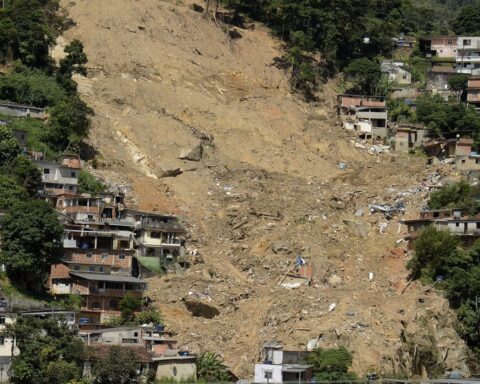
x=163, y=79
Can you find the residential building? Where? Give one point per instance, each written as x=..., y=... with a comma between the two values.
x=18, y=110
x=367, y=115
x=279, y=366
x=468, y=55
x=87, y=208
x=396, y=72
x=403, y=41
x=100, y=351
x=473, y=95
x=160, y=240
x=59, y=178
x=409, y=136
x=437, y=80
x=99, y=265
x=163, y=356
x=443, y=46
x=456, y=221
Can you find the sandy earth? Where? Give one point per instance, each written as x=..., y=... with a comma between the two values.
x=161, y=79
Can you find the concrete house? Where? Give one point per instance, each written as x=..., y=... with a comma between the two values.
x=409, y=136
x=468, y=55
x=443, y=46
x=279, y=366
x=18, y=110
x=366, y=115
x=99, y=264
x=59, y=178
x=160, y=240
x=473, y=95
x=163, y=356
x=396, y=72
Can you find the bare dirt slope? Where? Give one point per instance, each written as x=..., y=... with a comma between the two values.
x=161, y=79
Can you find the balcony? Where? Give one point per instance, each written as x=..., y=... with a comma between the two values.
x=47, y=178
x=468, y=59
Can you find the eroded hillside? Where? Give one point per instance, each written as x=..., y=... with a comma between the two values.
x=268, y=188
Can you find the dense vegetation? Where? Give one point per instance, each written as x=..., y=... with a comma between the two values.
x=324, y=36
x=49, y=352
x=332, y=364
x=437, y=253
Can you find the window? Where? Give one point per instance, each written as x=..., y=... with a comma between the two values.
x=135, y=334
x=73, y=174
x=478, y=224
x=268, y=374
x=101, y=269
x=104, y=255
x=46, y=171
x=2, y=340
x=90, y=217
x=155, y=235
x=404, y=77
x=436, y=214
x=449, y=42
x=463, y=161
x=121, y=256
x=76, y=268
x=89, y=255
x=2, y=319
x=96, y=305
x=113, y=304
x=457, y=224
x=91, y=268
x=467, y=42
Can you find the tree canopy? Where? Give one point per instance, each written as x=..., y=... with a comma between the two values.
x=468, y=20
x=49, y=352
x=31, y=241
x=118, y=367
x=331, y=364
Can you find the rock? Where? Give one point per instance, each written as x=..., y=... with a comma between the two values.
x=358, y=145
x=172, y=172
x=201, y=309
x=312, y=344
x=334, y=280
x=281, y=246
x=192, y=154
x=358, y=228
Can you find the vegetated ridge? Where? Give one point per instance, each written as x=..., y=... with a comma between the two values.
x=162, y=78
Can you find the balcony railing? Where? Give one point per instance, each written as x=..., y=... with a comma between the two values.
x=47, y=178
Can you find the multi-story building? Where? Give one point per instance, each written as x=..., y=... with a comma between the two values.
x=99, y=265
x=468, y=55
x=102, y=207
x=473, y=95
x=59, y=178
x=160, y=240
x=443, y=46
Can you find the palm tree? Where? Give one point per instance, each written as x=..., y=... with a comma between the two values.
x=211, y=369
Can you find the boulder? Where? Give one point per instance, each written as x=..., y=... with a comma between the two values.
x=281, y=246
x=358, y=228
x=201, y=309
x=192, y=154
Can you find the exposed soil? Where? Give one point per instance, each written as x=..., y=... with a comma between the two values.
x=161, y=79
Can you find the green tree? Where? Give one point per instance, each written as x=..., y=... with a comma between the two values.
x=149, y=316
x=31, y=242
x=27, y=175
x=118, y=367
x=10, y=192
x=364, y=75
x=456, y=195
x=458, y=83
x=210, y=368
x=69, y=124
x=73, y=62
x=50, y=352
x=9, y=147
x=467, y=22
x=128, y=305
x=331, y=364
x=87, y=183
x=435, y=254
x=32, y=87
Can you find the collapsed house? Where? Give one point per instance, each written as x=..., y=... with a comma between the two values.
x=365, y=115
